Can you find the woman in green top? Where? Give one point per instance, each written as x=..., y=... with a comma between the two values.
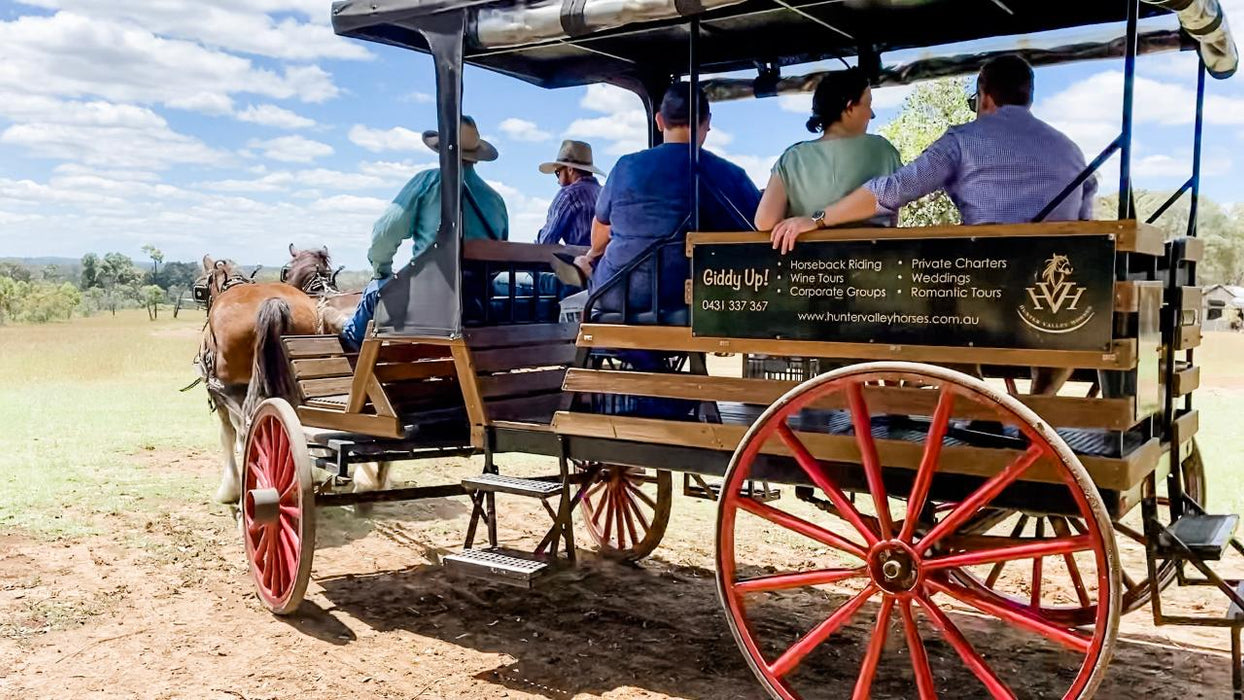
x=811, y=173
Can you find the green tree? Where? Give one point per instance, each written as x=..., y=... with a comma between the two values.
x=931, y=109
x=11, y=293
x=157, y=258
x=1222, y=231
x=119, y=278
x=90, y=271
x=15, y=271
x=151, y=296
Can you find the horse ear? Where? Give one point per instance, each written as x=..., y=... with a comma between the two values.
x=208, y=264
x=293, y=252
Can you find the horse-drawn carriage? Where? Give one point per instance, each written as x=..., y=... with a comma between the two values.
x=924, y=489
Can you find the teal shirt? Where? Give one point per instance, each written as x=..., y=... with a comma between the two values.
x=821, y=172
x=416, y=214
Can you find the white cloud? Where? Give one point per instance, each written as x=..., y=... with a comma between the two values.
x=1161, y=165
x=292, y=149
x=757, y=168
x=73, y=56
x=234, y=25
x=718, y=139
x=799, y=104
x=523, y=130
x=626, y=126
x=271, y=115
x=527, y=213
x=396, y=139
x=348, y=203
x=422, y=98
x=890, y=97
x=392, y=172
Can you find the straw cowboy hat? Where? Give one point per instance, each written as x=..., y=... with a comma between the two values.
x=572, y=154
x=474, y=148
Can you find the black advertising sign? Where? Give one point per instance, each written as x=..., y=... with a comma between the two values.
x=1048, y=292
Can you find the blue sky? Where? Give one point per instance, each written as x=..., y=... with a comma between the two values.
x=234, y=127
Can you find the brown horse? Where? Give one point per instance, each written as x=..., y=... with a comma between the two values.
x=241, y=357
x=312, y=272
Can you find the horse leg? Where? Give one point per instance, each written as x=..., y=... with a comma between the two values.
x=230, y=490
x=370, y=476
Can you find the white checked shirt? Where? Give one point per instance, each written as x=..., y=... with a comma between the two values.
x=1002, y=168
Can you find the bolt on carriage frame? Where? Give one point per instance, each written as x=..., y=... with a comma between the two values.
x=928, y=488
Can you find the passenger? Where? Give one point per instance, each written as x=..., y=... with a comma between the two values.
x=648, y=197
x=416, y=214
x=1002, y=168
x=826, y=169
x=570, y=214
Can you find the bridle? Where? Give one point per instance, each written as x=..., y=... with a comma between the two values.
x=203, y=288
x=319, y=284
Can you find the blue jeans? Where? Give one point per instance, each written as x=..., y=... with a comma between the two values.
x=352, y=333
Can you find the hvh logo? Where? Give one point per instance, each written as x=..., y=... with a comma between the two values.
x=1053, y=294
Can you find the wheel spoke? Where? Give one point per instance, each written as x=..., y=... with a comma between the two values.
x=981, y=497
x=1035, y=550
x=639, y=493
x=1130, y=533
x=790, y=658
x=616, y=503
x=291, y=512
x=845, y=507
x=261, y=547
x=861, y=419
x=624, y=505
x=639, y=515
x=1017, y=616
x=973, y=660
x=919, y=657
x=780, y=582
x=606, y=504
x=876, y=645
x=803, y=527
x=1037, y=563
x=289, y=548
x=997, y=568
x=928, y=462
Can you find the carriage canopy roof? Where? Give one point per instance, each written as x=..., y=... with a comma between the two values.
x=558, y=43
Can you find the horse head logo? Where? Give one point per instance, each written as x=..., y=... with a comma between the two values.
x=1057, y=269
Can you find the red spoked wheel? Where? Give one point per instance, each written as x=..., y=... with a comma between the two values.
x=278, y=506
x=626, y=509
x=904, y=570
x=1039, y=585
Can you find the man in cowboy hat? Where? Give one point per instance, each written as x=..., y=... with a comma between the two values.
x=570, y=214
x=416, y=214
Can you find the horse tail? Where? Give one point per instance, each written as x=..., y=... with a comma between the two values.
x=270, y=375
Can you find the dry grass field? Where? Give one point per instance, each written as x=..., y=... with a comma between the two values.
x=118, y=577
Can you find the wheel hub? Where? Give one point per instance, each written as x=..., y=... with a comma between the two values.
x=894, y=566
x=263, y=506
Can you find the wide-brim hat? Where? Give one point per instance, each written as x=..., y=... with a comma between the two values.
x=473, y=147
x=572, y=154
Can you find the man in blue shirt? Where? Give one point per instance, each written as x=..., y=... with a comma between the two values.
x=1002, y=168
x=416, y=214
x=649, y=196
x=570, y=214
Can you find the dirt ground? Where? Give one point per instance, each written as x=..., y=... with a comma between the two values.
x=160, y=606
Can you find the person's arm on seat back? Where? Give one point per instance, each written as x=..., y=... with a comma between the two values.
x=1088, y=199
x=772, y=207
x=932, y=171
x=559, y=220
x=394, y=225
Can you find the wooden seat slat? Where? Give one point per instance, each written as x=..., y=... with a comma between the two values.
x=1188, y=337
x=1122, y=353
x=521, y=383
x=300, y=346
x=398, y=351
x=1109, y=473
x=1059, y=411
x=321, y=367
x=525, y=334
x=317, y=388
x=334, y=401
x=538, y=408
x=417, y=369
x=1187, y=380
x=511, y=251
x=501, y=359
x=1130, y=236
x=1127, y=294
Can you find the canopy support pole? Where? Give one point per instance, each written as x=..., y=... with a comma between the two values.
x=693, y=39
x=1127, y=207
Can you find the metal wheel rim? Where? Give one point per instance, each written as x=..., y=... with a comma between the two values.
x=617, y=495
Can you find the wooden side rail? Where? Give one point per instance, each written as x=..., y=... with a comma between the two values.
x=511, y=251
x=1122, y=353
x=1121, y=474
x=1059, y=411
x=1130, y=236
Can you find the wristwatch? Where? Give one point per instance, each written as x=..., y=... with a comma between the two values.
x=818, y=218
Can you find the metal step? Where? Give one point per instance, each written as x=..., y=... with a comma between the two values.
x=500, y=483
x=1207, y=536
x=497, y=566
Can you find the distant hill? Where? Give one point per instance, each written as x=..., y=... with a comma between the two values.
x=40, y=262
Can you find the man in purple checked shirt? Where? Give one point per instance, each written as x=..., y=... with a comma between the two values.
x=1002, y=168
x=570, y=214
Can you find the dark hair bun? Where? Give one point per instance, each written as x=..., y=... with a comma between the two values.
x=836, y=91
